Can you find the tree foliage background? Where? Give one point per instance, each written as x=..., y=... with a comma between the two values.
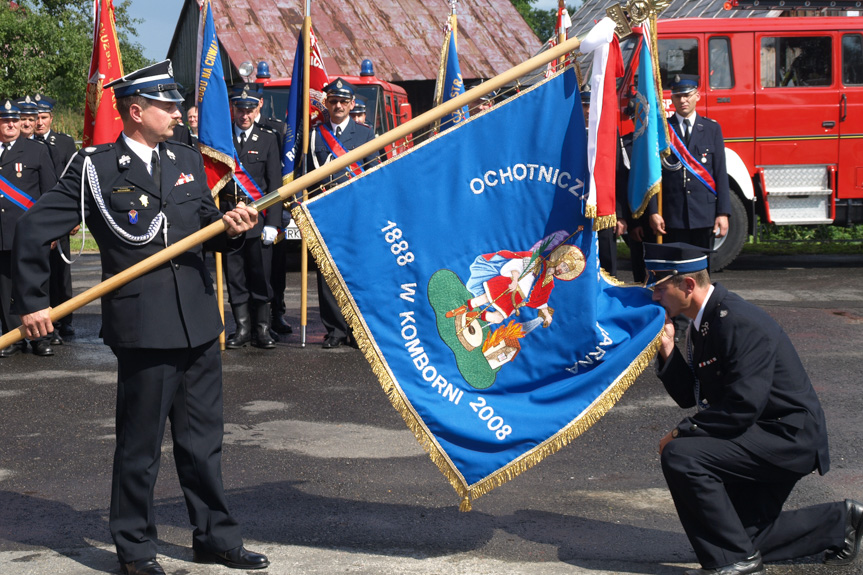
x=541, y=21
x=45, y=47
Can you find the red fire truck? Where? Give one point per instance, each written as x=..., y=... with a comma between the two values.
x=387, y=104
x=788, y=94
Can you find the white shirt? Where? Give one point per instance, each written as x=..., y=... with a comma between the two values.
x=143, y=151
x=696, y=323
x=238, y=131
x=343, y=126
x=690, y=119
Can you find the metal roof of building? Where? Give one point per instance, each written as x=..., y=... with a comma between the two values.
x=592, y=11
x=403, y=38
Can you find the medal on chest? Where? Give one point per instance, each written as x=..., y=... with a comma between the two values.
x=133, y=216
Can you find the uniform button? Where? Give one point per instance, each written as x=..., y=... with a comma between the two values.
x=694, y=427
x=176, y=266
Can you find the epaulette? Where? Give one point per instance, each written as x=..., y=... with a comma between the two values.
x=183, y=144
x=91, y=150
x=266, y=128
x=709, y=119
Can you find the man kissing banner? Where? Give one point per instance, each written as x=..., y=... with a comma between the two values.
x=469, y=274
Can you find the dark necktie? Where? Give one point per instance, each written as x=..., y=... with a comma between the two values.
x=3, y=149
x=40, y=137
x=338, y=131
x=242, y=140
x=686, y=131
x=156, y=170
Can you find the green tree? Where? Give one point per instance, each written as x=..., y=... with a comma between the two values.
x=542, y=22
x=46, y=47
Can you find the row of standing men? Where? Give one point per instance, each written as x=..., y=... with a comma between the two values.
x=32, y=159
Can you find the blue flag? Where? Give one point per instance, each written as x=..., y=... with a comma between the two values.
x=648, y=142
x=215, y=133
x=293, y=137
x=453, y=85
x=472, y=283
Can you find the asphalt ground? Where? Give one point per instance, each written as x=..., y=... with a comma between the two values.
x=325, y=478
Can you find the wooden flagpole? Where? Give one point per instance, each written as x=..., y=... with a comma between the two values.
x=307, y=180
x=304, y=248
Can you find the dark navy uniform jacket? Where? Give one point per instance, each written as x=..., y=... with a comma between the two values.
x=260, y=159
x=62, y=148
x=354, y=136
x=759, y=394
x=32, y=161
x=686, y=202
x=172, y=306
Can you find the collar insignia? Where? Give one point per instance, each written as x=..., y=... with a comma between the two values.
x=723, y=312
x=705, y=327
x=171, y=155
x=124, y=160
x=254, y=137
x=145, y=201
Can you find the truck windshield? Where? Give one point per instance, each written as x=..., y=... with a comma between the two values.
x=275, y=102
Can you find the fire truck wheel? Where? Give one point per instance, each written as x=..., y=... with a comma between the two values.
x=728, y=247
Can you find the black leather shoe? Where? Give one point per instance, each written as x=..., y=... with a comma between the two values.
x=42, y=347
x=280, y=326
x=19, y=347
x=54, y=338
x=751, y=566
x=332, y=342
x=142, y=567
x=236, y=558
x=853, y=533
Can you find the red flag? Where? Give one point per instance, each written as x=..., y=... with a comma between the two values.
x=102, y=122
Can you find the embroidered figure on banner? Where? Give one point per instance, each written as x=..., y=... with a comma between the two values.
x=501, y=285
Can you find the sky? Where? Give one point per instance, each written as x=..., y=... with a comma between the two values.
x=157, y=29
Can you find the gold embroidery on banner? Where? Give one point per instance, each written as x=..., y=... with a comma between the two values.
x=603, y=222
x=219, y=157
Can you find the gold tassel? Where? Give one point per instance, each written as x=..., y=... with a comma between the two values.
x=465, y=506
x=603, y=222
x=589, y=211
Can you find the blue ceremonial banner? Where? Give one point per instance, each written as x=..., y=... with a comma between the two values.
x=293, y=137
x=215, y=134
x=453, y=85
x=648, y=141
x=470, y=277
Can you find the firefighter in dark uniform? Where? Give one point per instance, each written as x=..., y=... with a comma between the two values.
x=358, y=114
x=29, y=116
x=142, y=193
x=27, y=172
x=758, y=428
x=247, y=270
x=61, y=147
x=339, y=103
x=691, y=212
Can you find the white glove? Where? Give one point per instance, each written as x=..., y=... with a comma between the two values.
x=268, y=235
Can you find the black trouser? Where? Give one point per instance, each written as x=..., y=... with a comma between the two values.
x=60, y=284
x=247, y=273
x=331, y=314
x=8, y=321
x=184, y=385
x=730, y=504
x=607, y=250
x=278, y=278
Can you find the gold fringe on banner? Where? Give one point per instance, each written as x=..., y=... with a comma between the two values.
x=654, y=189
x=219, y=157
x=602, y=222
x=466, y=492
x=589, y=211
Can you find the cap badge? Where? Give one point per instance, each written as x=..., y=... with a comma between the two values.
x=27, y=99
x=145, y=201
x=8, y=105
x=124, y=159
x=339, y=84
x=38, y=98
x=244, y=95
